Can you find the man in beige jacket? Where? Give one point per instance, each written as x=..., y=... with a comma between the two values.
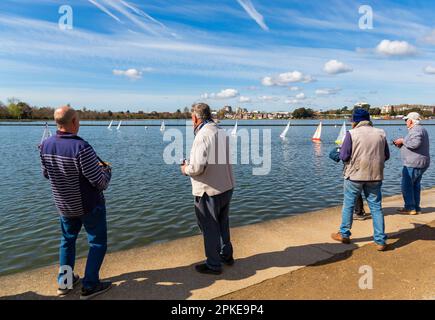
x=364, y=152
x=212, y=186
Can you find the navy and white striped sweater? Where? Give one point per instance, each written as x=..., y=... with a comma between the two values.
x=77, y=180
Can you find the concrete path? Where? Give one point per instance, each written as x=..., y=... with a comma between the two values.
x=405, y=271
x=263, y=251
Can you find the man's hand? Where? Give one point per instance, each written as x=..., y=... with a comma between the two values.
x=183, y=167
x=398, y=142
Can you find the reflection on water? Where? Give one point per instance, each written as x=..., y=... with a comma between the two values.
x=149, y=201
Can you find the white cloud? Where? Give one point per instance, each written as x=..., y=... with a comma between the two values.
x=297, y=99
x=268, y=98
x=429, y=70
x=301, y=96
x=224, y=94
x=268, y=82
x=253, y=13
x=227, y=94
x=244, y=99
x=396, y=48
x=336, y=67
x=327, y=92
x=132, y=74
x=295, y=88
x=292, y=101
x=284, y=79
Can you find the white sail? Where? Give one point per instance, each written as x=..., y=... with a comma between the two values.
x=318, y=134
x=341, y=135
x=163, y=126
x=46, y=134
x=119, y=125
x=234, y=131
x=110, y=125
x=284, y=133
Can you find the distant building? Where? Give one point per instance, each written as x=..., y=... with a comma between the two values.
x=404, y=108
x=228, y=109
x=387, y=109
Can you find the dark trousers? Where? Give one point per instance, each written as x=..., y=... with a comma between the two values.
x=359, y=206
x=213, y=220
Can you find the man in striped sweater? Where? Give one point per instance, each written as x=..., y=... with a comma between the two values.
x=78, y=179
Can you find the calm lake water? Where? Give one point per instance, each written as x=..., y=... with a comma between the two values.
x=149, y=201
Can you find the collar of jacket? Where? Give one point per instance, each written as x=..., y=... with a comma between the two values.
x=67, y=135
x=415, y=125
x=363, y=124
x=201, y=125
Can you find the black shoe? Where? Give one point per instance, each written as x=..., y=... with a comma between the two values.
x=229, y=261
x=361, y=217
x=64, y=292
x=97, y=290
x=203, y=268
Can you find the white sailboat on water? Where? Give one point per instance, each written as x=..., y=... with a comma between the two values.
x=234, y=131
x=110, y=125
x=318, y=134
x=119, y=125
x=284, y=133
x=46, y=134
x=341, y=135
x=163, y=126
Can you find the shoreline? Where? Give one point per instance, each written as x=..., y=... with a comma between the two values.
x=263, y=251
x=240, y=123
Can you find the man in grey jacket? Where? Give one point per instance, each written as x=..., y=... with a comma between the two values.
x=415, y=154
x=212, y=186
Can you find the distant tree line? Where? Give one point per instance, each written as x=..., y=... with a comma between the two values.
x=19, y=110
x=303, y=113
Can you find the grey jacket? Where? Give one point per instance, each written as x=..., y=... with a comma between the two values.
x=415, y=150
x=209, y=166
x=369, y=151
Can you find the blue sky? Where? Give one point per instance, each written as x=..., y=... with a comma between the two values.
x=262, y=55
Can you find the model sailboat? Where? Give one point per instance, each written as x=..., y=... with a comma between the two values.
x=46, y=134
x=163, y=126
x=284, y=133
x=110, y=125
x=318, y=134
x=341, y=135
x=234, y=131
x=119, y=125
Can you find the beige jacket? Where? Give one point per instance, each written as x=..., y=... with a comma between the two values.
x=368, y=154
x=209, y=165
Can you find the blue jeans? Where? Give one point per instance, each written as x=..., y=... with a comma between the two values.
x=96, y=229
x=411, y=187
x=373, y=194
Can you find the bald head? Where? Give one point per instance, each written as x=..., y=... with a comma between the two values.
x=66, y=119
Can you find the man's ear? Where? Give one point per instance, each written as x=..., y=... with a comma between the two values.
x=194, y=118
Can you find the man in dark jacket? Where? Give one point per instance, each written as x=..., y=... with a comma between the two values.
x=77, y=179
